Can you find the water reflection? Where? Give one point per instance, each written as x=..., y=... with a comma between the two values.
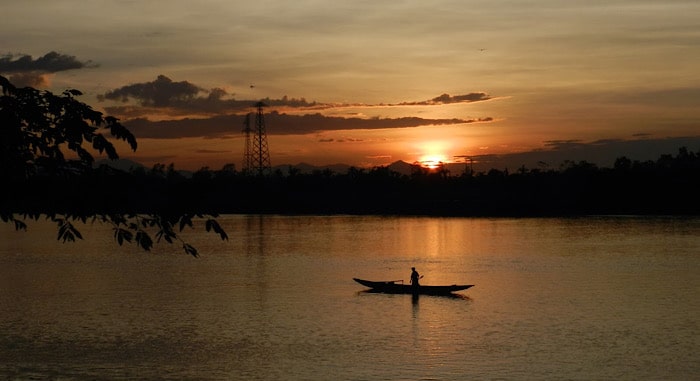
x=255, y=249
x=255, y=237
x=415, y=298
x=574, y=298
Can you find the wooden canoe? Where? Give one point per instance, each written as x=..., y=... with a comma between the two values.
x=392, y=287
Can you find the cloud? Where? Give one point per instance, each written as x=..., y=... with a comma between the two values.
x=183, y=98
x=226, y=126
x=23, y=70
x=309, y=123
x=374, y=157
x=350, y=140
x=51, y=62
x=342, y=140
x=448, y=99
x=162, y=92
x=208, y=151
x=600, y=152
x=563, y=144
x=192, y=111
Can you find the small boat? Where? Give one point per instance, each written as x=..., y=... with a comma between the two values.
x=392, y=287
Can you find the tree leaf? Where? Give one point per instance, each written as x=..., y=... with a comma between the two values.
x=67, y=232
x=185, y=220
x=143, y=240
x=20, y=225
x=212, y=224
x=122, y=235
x=189, y=249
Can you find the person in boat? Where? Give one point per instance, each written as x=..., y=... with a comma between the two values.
x=414, y=277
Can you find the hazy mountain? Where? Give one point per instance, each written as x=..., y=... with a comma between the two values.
x=401, y=167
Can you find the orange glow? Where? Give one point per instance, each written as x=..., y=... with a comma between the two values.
x=432, y=161
x=433, y=154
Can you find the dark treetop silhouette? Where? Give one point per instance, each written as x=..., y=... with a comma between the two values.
x=48, y=171
x=666, y=186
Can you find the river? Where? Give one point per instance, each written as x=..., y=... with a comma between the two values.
x=605, y=298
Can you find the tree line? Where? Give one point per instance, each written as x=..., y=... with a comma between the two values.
x=666, y=186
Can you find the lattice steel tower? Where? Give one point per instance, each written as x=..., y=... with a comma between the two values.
x=256, y=155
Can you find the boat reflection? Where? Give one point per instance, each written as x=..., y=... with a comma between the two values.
x=416, y=297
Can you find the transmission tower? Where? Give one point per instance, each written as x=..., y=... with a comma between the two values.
x=256, y=155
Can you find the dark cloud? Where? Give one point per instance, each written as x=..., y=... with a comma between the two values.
x=23, y=70
x=562, y=144
x=204, y=105
x=221, y=116
x=344, y=140
x=379, y=157
x=51, y=62
x=349, y=140
x=449, y=99
x=162, y=92
x=183, y=98
x=217, y=126
x=571, y=145
x=222, y=126
x=304, y=124
x=211, y=151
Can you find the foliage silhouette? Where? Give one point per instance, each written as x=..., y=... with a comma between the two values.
x=48, y=171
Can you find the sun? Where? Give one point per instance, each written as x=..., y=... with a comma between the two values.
x=432, y=161
x=433, y=154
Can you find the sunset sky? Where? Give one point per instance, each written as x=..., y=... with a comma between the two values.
x=366, y=83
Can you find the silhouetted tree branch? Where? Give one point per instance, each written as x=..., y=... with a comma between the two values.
x=46, y=142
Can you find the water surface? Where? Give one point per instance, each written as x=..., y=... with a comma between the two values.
x=583, y=298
